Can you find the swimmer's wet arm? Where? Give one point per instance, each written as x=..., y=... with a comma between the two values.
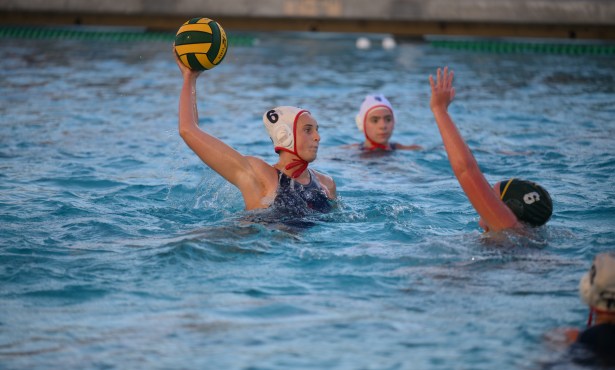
x=409, y=147
x=478, y=190
x=223, y=159
x=493, y=212
x=482, y=197
x=560, y=338
x=571, y=335
x=442, y=94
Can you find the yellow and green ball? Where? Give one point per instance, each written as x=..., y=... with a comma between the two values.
x=201, y=44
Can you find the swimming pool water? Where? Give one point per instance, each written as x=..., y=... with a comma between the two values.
x=120, y=249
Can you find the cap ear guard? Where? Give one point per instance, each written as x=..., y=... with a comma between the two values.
x=280, y=125
x=359, y=120
x=284, y=137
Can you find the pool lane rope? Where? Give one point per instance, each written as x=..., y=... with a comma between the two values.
x=103, y=35
x=501, y=46
x=490, y=46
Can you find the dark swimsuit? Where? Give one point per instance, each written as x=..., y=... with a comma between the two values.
x=595, y=346
x=296, y=198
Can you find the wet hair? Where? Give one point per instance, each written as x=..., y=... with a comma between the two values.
x=530, y=202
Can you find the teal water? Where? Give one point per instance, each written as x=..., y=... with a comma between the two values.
x=119, y=249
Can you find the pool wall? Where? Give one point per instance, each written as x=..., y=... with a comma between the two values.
x=585, y=19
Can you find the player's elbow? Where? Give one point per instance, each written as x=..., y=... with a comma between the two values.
x=184, y=133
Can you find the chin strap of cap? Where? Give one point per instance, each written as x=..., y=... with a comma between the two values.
x=590, y=319
x=375, y=145
x=297, y=162
x=593, y=311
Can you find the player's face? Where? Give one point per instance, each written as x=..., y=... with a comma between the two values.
x=307, y=138
x=379, y=125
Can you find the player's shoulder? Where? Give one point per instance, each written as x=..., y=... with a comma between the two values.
x=326, y=180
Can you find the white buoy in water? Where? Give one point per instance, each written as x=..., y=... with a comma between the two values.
x=388, y=43
x=363, y=43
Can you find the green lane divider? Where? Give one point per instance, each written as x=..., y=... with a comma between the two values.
x=490, y=46
x=526, y=47
x=104, y=35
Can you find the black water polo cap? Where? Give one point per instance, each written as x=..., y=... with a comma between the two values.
x=530, y=202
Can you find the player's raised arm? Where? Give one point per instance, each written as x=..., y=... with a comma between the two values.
x=493, y=212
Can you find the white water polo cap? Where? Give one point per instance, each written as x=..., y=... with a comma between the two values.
x=370, y=103
x=281, y=125
x=597, y=286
